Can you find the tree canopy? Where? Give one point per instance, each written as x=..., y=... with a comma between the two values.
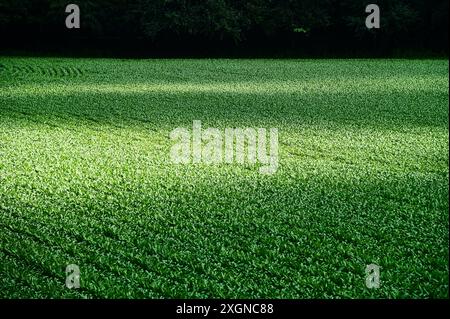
x=299, y=25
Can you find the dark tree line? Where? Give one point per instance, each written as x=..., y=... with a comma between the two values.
x=307, y=27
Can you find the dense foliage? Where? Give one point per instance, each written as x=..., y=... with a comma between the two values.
x=302, y=25
x=86, y=178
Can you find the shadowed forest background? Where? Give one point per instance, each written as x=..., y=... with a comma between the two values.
x=327, y=28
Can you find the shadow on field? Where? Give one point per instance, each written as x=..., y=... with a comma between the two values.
x=286, y=110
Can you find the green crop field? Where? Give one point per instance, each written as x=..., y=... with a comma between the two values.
x=86, y=178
